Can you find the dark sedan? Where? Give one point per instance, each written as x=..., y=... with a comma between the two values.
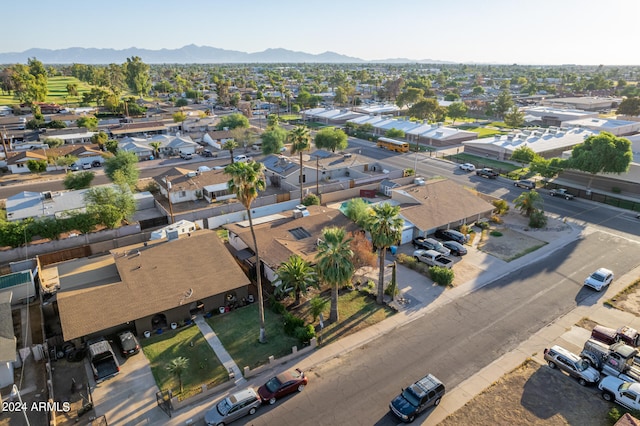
x=282, y=384
x=456, y=248
x=128, y=344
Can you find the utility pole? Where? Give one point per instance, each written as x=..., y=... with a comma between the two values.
x=317, y=176
x=167, y=185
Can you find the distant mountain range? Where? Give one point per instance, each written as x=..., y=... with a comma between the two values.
x=190, y=54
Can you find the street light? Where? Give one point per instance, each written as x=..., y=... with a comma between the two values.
x=16, y=392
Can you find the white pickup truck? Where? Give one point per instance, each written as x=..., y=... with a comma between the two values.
x=433, y=258
x=624, y=393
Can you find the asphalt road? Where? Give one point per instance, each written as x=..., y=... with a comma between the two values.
x=454, y=341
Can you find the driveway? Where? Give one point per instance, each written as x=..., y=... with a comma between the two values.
x=129, y=397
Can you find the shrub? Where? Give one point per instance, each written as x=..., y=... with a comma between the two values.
x=496, y=219
x=537, y=219
x=483, y=225
x=495, y=233
x=465, y=229
x=441, y=276
x=305, y=333
x=392, y=290
x=291, y=323
x=277, y=307
x=311, y=200
x=501, y=206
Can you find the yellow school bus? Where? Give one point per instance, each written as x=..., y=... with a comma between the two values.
x=393, y=145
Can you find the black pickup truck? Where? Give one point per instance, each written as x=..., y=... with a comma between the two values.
x=487, y=173
x=104, y=363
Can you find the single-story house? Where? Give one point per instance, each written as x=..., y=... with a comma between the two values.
x=139, y=146
x=73, y=135
x=8, y=341
x=548, y=143
x=86, y=154
x=143, y=128
x=188, y=185
x=280, y=236
x=438, y=203
x=147, y=287
x=217, y=138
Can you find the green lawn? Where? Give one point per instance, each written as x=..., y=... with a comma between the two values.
x=57, y=90
x=204, y=367
x=239, y=331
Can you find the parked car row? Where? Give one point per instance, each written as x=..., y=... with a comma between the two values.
x=247, y=401
x=85, y=166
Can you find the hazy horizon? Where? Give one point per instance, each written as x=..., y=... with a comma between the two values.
x=545, y=32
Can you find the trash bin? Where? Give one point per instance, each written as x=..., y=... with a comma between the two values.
x=393, y=249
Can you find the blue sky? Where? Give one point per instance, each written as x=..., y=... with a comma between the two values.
x=488, y=31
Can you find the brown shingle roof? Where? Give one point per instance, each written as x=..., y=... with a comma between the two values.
x=110, y=290
x=277, y=243
x=442, y=202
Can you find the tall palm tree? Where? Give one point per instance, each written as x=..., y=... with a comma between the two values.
x=230, y=145
x=385, y=226
x=295, y=276
x=528, y=202
x=334, y=265
x=246, y=180
x=300, y=139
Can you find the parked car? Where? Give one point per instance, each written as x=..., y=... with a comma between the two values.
x=232, y=407
x=561, y=358
x=413, y=400
x=186, y=155
x=202, y=169
x=624, y=393
x=561, y=192
x=455, y=248
x=607, y=335
x=75, y=167
x=96, y=163
x=128, y=344
x=430, y=244
x=240, y=159
x=526, y=184
x=599, y=279
x=283, y=384
x=432, y=258
x=208, y=153
x=467, y=167
x=451, y=235
x=86, y=166
x=487, y=173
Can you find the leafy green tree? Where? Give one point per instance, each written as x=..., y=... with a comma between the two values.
x=295, y=276
x=311, y=200
x=547, y=168
x=457, y=110
x=245, y=137
x=340, y=97
x=409, y=97
x=182, y=102
x=232, y=121
x=273, y=120
x=503, y=103
x=126, y=163
x=273, y=139
x=537, y=219
x=394, y=133
x=66, y=161
x=630, y=106
x=334, y=266
x=300, y=138
x=179, y=117
x=523, y=155
x=514, y=117
x=47, y=227
x=358, y=211
x=91, y=123
x=528, y=202
x=137, y=76
x=110, y=206
x=56, y=124
x=15, y=234
x=477, y=90
x=84, y=222
x=177, y=367
x=230, y=145
x=427, y=109
x=385, y=226
x=53, y=142
x=602, y=153
x=112, y=146
x=37, y=166
x=247, y=179
x=78, y=180
x=331, y=138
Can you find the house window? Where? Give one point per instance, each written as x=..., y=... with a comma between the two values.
x=182, y=194
x=19, y=165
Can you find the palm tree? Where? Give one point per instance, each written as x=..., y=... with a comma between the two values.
x=177, y=366
x=246, y=180
x=528, y=202
x=230, y=145
x=295, y=276
x=385, y=226
x=334, y=265
x=300, y=138
x=156, y=148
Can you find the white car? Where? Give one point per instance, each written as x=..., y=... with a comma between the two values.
x=240, y=159
x=467, y=167
x=599, y=279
